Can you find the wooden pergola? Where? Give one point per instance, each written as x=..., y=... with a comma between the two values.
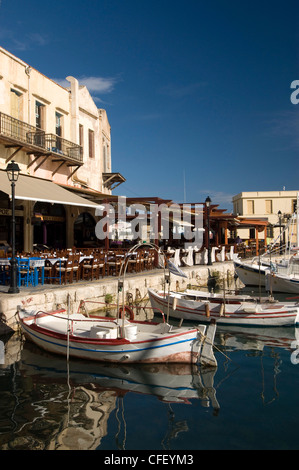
x=221, y=222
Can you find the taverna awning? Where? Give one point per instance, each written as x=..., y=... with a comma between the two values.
x=30, y=188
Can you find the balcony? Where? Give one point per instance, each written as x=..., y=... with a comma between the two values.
x=16, y=133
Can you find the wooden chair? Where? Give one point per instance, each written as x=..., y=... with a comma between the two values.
x=76, y=267
x=149, y=259
x=49, y=271
x=52, y=272
x=100, y=263
x=89, y=267
x=113, y=263
x=66, y=270
x=131, y=262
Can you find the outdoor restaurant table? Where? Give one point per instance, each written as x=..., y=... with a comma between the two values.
x=34, y=263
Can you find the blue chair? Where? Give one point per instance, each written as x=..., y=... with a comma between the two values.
x=24, y=272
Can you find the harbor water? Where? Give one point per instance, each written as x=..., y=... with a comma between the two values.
x=248, y=402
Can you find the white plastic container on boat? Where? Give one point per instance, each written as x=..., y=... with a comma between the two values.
x=103, y=333
x=131, y=332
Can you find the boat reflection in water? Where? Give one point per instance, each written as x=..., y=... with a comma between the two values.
x=268, y=345
x=71, y=402
x=247, y=338
x=49, y=403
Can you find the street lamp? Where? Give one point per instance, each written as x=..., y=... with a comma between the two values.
x=208, y=205
x=13, y=171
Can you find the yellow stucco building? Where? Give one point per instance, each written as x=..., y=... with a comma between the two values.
x=277, y=207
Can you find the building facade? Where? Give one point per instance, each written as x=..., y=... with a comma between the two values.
x=61, y=142
x=277, y=207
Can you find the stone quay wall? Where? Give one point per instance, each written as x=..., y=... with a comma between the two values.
x=52, y=297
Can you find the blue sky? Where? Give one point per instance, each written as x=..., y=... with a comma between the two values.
x=197, y=93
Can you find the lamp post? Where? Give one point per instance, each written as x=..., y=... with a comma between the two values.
x=13, y=171
x=208, y=204
x=280, y=243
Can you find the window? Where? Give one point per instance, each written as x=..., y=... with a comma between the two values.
x=106, y=156
x=40, y=115
x=16, y=104
x=58, y=125
x=268, y=206
x=91, y=143
x=16, y=107
x=58, y=129
x=294, y=205
x=250, y=207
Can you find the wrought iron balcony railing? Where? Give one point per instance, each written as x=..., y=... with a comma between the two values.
x=20, y=133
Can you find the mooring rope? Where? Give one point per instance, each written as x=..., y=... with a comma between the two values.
x=204, y=339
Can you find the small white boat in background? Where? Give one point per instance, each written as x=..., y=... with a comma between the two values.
x=280, y=282
x=251, y=273
x=242, y=310
x=278, y=269
x=114, y=340
x=257, y=273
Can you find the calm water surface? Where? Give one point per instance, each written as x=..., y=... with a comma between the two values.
x=248, y=402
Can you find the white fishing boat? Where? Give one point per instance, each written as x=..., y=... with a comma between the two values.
x=117, y=340
x=226, y=309
x=278, y=269
x=282, y=276
x=251, y=273
x=282, y=282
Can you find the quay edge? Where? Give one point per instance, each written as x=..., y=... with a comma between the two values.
x=51, y=297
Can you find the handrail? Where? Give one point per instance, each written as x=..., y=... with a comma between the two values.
x=20, y=131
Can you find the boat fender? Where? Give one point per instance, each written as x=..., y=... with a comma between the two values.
x=127, y=312
x=207, y=309
x=221, y=313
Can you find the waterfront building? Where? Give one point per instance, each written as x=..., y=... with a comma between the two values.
x=62, y=143
x=276, y=207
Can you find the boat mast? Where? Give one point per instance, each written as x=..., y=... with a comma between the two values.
x=297, y=215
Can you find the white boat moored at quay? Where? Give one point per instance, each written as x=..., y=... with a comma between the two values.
x=117, y=340
x=225, y=310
